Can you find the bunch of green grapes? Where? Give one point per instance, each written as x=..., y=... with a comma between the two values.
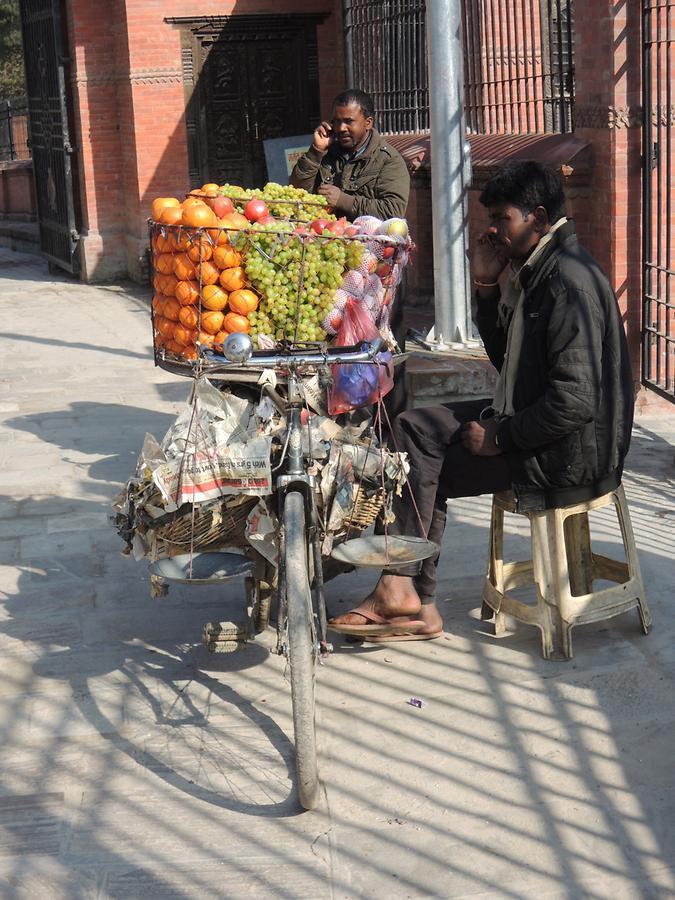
x=238, y=195
x=355, y=251
x=273, y=267
x=305, y=208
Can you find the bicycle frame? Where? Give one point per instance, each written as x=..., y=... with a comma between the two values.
x=295, y=475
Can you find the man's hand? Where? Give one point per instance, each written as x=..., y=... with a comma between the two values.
x=479, y=438
x=322, y=137
x=488, y=260
x=331, y=193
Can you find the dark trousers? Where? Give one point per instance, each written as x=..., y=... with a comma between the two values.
x=440, y=468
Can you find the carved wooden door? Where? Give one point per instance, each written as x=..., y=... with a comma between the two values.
x=256, y=79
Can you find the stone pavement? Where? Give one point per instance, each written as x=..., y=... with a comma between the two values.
x=133, y=764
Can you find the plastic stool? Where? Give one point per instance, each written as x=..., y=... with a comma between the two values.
x=563, y=568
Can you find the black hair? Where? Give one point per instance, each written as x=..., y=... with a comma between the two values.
x=353, y=95
x=526, y=185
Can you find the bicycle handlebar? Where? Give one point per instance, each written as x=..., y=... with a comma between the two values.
x=260, y=359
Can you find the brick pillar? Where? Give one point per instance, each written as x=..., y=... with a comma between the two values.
x=607, y=115
x=94, y=51
x=129, y=108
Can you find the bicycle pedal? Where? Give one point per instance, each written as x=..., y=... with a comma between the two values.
x=231, y=635
x=224, y=646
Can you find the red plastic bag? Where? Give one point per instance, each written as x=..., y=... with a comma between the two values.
x=358, y=384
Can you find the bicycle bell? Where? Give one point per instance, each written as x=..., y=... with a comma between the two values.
x=237, y=347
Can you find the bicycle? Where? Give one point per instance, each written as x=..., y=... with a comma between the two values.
x=301, y=607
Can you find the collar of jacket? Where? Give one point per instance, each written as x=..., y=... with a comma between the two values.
x=530, y=274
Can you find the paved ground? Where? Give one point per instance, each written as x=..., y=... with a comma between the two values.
x=133, y=764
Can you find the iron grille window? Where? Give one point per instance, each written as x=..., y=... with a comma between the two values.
x=390, y=61
x=519, y=63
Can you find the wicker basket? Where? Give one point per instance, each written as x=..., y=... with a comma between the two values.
x=216, y=524
x=365, y=510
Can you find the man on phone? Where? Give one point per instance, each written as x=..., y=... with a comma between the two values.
x=351, y=164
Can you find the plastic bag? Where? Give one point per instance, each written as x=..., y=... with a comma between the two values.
x=358, y=384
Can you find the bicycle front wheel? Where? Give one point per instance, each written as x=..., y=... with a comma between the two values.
x=301, y=647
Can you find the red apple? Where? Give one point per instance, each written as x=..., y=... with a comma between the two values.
x=383, y=268
x=267, y=219
x=222, y=206
x=338, y=227
x=388, y=252
x=351, y=230
x=319, y=225
x=255, y=210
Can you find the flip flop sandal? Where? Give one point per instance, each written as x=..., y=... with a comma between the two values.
x=381, y=626
x=406, y=636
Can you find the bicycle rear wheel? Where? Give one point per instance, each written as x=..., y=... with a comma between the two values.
x=301, y=647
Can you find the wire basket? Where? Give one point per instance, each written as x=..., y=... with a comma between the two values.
x=278, y=282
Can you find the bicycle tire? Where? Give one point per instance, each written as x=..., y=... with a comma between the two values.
x=301, y=648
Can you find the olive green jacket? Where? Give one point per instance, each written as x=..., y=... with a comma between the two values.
x=376, y=183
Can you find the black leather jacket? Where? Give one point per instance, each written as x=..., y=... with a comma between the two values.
x=573, y=394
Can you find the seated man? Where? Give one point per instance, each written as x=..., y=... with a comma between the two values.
x=351, y=164
x=558, y=428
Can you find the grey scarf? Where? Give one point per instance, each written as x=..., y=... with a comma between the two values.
x=511, y=307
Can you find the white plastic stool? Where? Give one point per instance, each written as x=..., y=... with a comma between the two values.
x=563, y=568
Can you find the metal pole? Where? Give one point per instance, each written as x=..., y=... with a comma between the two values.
x=347, y=29
x=450, y=171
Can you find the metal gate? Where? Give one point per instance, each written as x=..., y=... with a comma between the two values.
x=658, y=312
x=49, y=138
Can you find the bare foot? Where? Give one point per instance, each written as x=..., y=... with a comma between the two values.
x=431, y=617
x=394, y=598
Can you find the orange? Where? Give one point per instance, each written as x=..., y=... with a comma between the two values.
x=184, y=335
x=165, y=328
x=210, y=188
x=158, y=303
x=232, y=279
x=208, y=273
x=226, y=257
x=179, y=239
x=187, y=292
x=174, y=347
x=189, y=316
x=206, y=339
x=171, y=215
x=171, y=309
x=157, y=282
x=158, y=339
x=192, y=198
x=161, y=203
x=213, y=297
x=164, y=263
x=199, y=249
x=235, y=221
x=219, y=235
x=243, y=302
x=184, y=268
x=198, y=215
x=189, y=353
x=235, y=322
x=168, y=284
x=160, y=242
x=211, y=321
x=220, y=337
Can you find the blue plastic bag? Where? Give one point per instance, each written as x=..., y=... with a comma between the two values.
x=358, y=384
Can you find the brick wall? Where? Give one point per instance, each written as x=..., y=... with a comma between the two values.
x=608, y=91
x=129, y=111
